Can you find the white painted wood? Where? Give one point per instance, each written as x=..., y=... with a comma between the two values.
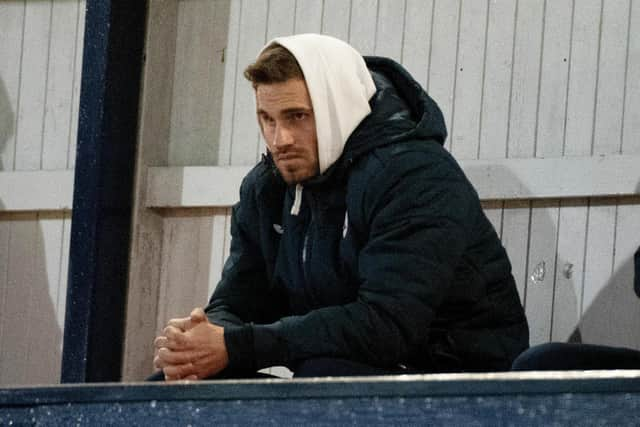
x=444, y=47
x=515, y=236
x=147, y=225
x=77, y=71
x=198, y=82
x=335, y=18
x=229, y=90
x=16, y=316
x=618, y=303
x=493, y=209
x=43, y=357
x=390, y=29
x=631, y=119
x=554, y=75
x=280, y=21
x=218, y=256
x=416, y=44
x=525, y=78
x=498, y=60
x=567, y=298
x=495, y=179
x=607, y=133
x=59, y=88
x=541, y=268
x=36, y=190
x=469, y=75
x=11, y=36
x=33, y=84
x=582, y=77
x=362, y=28
x=308, y=16
x=5, y=240
x=598, y=266
x=246, y=147
x=187, y=246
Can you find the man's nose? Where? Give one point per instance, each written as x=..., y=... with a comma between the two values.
x=283, y=137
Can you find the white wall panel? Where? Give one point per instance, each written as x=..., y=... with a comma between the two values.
x=390, y=29
x=308, y=16
x=464, y=138
x=362, y=28
x=631, y=118
x=41, y=51
x=497, y=79
x=416, y=45
x=336, y=17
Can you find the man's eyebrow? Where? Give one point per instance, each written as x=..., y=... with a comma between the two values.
x=288, y=110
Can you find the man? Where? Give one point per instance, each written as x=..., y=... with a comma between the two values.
x=358, y=245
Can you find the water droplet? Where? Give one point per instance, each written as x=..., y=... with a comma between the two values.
x=537, y=275
x=568, y=270
x=153, y=403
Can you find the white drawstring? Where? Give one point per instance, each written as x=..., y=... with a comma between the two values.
x=297, y=201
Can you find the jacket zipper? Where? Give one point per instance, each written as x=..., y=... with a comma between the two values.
x=306, y=244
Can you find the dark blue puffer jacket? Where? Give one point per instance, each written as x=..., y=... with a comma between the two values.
x=390, y=261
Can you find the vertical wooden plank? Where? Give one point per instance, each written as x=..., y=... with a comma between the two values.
x=631, y=123
x=619, y=298
x=57, y=115
x=582, y=78
x=390, y=29
x=335, y=18
x=33, y=84
x=11, y=37
x=362, y=28
x=515, y=237
x=541, y=267
x=308, y=16
x=77, y=71
x=185, y=265
x=607, y=132
x=43, y=358
x=280, y=20
x=493, y=211
x=61, y=302
x=197, y=82
x=147, y=226
x=553, y=78
x=15, y=323
x=494, y=122
x=218, y=238
x=598, y=267
x=229, y=90
x=469, y=75
x=572, y=227
x=525, y=79
x=5, y=240
x=444, y=47
x=245, y=136
x=416, y=44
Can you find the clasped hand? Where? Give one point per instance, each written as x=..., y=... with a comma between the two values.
x=191, y=348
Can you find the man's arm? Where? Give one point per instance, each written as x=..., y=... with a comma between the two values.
x=419, y=221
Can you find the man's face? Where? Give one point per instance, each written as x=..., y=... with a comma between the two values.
x=285, y=115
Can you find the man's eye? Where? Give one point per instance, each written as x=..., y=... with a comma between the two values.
x=298, y=116
x=267, y=120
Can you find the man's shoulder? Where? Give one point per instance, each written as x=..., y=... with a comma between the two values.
x=403, y=155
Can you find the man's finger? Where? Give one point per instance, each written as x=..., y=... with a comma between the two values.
x=169, y=357
x=160, y=342
x=175, y=338
x=179, y=371
x=182, y=323
x=197, y=315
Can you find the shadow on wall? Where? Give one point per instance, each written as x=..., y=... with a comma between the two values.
x=613, y=318
x=30, y=330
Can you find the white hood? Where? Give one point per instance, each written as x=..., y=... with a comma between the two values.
x=339, y=85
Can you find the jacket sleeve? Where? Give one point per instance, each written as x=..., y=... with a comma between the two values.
x=417, y=211
x=243, y=295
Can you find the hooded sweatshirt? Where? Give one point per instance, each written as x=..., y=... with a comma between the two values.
x=389, y=259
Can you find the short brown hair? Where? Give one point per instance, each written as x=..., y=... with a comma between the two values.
x=274, y=65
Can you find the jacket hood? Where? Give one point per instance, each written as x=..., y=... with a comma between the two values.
x=340, y=87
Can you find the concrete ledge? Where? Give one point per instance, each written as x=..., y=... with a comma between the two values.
x=586, y=398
